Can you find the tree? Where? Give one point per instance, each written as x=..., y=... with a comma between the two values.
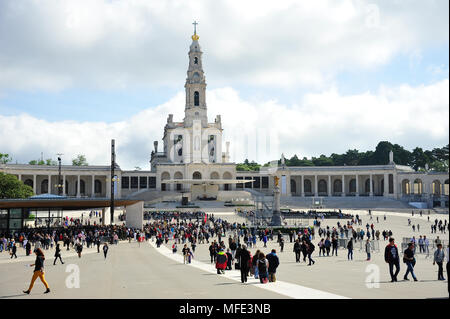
x=48, y=161
x=80, y=160
x=419, y=159
x=5, y=158
x=11, y=187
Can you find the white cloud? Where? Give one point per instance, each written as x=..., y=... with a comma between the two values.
x=55, y=44
x=321, y=123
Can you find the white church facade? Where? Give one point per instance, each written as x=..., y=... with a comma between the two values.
x=194, y=160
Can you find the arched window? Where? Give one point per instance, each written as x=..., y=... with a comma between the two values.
x=44, y=186
x=322, y=186
x=337, y=186
x=197, y=175
x=195, y=60
x=97, y=186
x=293, y=186
x=352, y=186
x=307, y=186
x=196, y=98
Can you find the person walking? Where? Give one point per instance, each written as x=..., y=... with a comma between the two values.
x=79, y=249
x=229, y=260
x=410, y=261
x=105, y=249
x=334, y=243
x=185, y=251
x=244, y=262
x=392, y=258
x=439, y=257
x=212, y=251
x=368, y=249
x=221, y=262
x=28, y=248
x=297, y=250
x=38, y=272
x=327, y=245
x=274, y=262
x=350, y=249
x=13, y=250
x=263, y=265
x=310, y=249
x=57, y=255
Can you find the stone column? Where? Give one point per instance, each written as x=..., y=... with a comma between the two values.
x=371, y=186
x=329, y=185
x=34, y=184
x=357, y=185
x=64, y=185
x=386, y=185
x=20, y=177
x=49, y=184
x=343, y=185
x=302, y=182
x=93, y=186
x=316, y=192
x=276, y=215
x=78, y=186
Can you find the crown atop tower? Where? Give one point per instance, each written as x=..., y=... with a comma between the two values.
x=195, y=37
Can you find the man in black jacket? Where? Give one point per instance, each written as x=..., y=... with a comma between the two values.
x=297, y=250
x=274, y=262
x=392, y=258
x=244, y=259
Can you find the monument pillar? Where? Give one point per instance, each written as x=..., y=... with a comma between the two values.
x=276, y=214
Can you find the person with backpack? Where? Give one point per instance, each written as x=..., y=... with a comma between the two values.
x=350, y=249
x=392, y=258
x=263, y=265
x=410, y=261
x=221, y=262
x=174, y=248
x=310, y=249
x=274, y=262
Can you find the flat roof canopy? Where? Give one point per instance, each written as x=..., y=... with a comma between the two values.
x=64, y=204
x=206, y=181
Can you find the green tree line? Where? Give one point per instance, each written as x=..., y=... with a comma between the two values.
x=437, y=159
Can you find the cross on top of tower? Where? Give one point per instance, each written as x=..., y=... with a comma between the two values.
x=195, y=37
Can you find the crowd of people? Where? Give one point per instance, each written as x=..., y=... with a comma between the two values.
x=228, y=243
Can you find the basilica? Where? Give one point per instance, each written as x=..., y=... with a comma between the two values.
x=194, y=162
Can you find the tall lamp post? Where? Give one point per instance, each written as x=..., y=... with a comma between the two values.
x=113, y=177
x=59, y=184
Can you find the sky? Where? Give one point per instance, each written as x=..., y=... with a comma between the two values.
x=292, y=77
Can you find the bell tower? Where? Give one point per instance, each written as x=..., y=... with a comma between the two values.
x=195, y=85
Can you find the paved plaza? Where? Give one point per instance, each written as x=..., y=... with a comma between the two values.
x=133, y=270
